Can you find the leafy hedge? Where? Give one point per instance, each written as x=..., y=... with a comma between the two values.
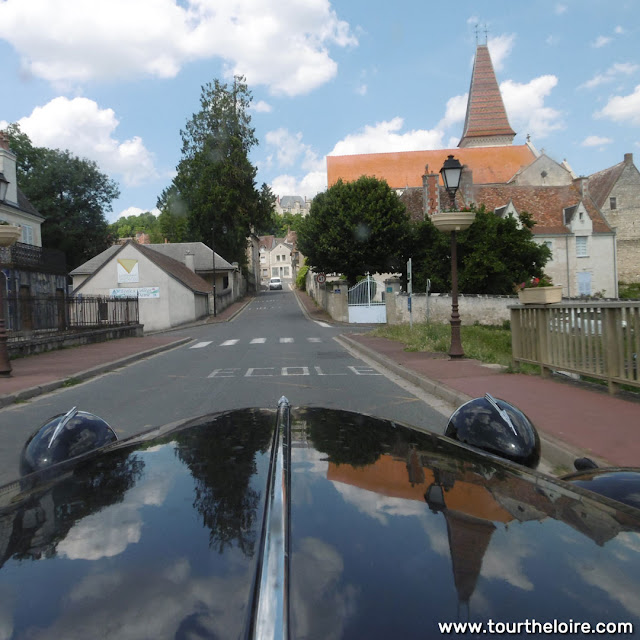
x=301, y=277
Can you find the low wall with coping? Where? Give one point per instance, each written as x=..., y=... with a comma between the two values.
x=436, y=308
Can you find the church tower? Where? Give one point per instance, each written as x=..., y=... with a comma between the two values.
x=486, y=123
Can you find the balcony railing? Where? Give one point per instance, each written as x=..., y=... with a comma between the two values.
x=596, y=340
x=28, y=256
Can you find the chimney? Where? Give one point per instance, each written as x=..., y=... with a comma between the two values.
x=190, y=260
x=583, y=184
x=465, y=189
x=628, y=158
x=431, y=193
x=4, y=141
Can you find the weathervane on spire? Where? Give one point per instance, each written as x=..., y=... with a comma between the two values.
x=486, y=34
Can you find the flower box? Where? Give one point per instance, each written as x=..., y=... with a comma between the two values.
x=9, y=234
x=541, y=295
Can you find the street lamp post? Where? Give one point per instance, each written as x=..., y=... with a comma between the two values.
x=452, y=222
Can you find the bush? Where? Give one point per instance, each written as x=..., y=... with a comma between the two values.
x=301, y=277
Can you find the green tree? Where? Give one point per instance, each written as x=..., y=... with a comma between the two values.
x=130, y=225
x=285, y=222
x=215, y=181
x=493, y=254
x=355, y=227
x=70, y=192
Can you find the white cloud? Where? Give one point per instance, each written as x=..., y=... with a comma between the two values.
x=525, y=105
x=473, y=20
x=136, y=211
x=500, y=47
x=309, y=185
x=623, y=108
x=595, y=141
x=385, y=136
x=601, y=41
x=455, y=111
x=291, y=150
x=261, y=107
x=85, y=129
x=560, y=9
x=619, y=30
x=280, y=43
x=611, y=74
x=361, y=89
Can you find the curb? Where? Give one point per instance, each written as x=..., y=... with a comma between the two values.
x=87, y=374
x=556, y=454
x=437, y=389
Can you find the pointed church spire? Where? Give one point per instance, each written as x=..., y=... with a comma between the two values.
x=486, y=123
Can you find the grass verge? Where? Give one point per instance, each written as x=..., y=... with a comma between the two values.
x=488, y=344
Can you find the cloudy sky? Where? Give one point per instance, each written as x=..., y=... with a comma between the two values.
x=116, y=80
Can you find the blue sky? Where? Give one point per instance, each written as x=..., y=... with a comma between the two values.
x=116, y=80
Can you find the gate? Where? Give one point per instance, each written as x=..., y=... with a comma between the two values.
x=366, y=302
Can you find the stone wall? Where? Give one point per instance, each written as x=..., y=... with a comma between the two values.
x=626, y=220
x=436, y=308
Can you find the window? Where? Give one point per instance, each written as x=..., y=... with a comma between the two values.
x=265, y=272
x=286, y=272
x=549, y=245
x=274, y=271
x=278, y=258
x=27, y=233
x=581, y=247
x=263, y=258
x=613, y=203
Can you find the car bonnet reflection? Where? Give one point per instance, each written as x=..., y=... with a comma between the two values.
x=413, y=536
x=157, y=540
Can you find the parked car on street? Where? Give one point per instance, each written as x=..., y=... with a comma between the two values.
x=275, y=283
x=312, y=523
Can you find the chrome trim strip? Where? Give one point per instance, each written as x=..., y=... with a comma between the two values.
x=272, y=605
x=63, y=421
x=503, y=414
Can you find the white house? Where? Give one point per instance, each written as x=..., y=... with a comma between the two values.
x=169, y=292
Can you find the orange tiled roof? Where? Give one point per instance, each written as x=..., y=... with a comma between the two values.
x=545, y=204
x=486, y=115
x=405, y=168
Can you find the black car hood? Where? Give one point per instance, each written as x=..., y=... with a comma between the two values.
x=392, y=530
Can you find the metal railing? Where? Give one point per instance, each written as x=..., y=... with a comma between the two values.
x=596, y=340
x=26, y=314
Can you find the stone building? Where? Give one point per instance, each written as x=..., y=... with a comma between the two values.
x=591, y=224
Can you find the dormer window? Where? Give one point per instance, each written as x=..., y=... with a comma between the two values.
x=613, y=204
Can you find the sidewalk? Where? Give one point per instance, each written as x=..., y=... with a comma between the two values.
x=569, y=416
x=46, y=372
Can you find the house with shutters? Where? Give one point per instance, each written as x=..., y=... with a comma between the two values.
x=589, y=240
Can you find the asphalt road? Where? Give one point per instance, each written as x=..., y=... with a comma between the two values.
x=269, y=350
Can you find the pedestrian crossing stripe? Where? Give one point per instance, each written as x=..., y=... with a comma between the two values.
x=230, y=343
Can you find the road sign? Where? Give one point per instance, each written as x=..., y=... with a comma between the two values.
x=321, y=278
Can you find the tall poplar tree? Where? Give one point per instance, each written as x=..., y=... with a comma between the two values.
x=215, y=181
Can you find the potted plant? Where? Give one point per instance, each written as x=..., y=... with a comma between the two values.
x=9, y=233
x=539, y=291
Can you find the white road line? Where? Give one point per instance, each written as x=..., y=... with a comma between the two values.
x=314, y=339
x=229, y=343
x=323, y=324
x=283, y=340
x=200, y=345
x=258, y=341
